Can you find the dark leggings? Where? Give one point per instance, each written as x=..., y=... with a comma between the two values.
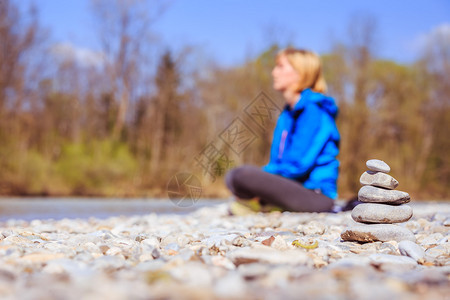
x=247, y=182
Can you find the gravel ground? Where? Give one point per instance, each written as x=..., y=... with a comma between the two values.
x=207, y=254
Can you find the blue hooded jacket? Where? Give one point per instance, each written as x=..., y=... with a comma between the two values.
x=306, y=142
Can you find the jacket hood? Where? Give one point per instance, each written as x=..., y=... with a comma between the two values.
x=325, y=102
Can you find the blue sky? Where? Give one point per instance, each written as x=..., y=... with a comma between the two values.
x=231, y=30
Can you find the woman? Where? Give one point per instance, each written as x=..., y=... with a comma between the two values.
x=302, y=172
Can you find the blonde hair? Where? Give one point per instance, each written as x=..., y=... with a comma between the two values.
x=309, y=67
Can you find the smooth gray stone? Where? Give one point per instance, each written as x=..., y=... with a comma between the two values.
x=433, y=239
x=379, y=179
x=230, y=286
x=350, y=262
x=267, y=255
x=378, y=165
x=253, y=270
x=374, y=194
x=446, y=222
x=438, y=251
x=412, y=250
x=377, y=232
x=433, y=276
x=393, y=263
x=387, y=248
x=381, y=213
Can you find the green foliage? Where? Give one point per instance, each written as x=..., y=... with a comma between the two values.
x=35, y=172
x=95, y=167
x=25, y=172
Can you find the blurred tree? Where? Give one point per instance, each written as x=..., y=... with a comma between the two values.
x=21, y=42
x=435, y=69
x=347, y=71
x=125, y=37
x=399, y=121
x=166, y=116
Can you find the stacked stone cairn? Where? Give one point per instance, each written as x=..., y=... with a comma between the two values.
x=383, y=207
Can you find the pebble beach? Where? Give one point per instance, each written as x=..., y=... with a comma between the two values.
x=208, y=254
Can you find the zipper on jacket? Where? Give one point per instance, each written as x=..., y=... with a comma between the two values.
x=282, y=143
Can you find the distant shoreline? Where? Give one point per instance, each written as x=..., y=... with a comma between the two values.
x=43, y=208
x=28, y=209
